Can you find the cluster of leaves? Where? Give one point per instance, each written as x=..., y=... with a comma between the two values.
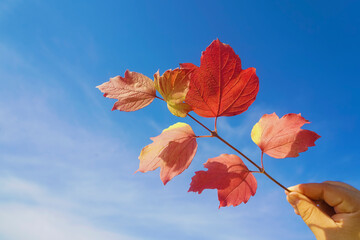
x=219, y=87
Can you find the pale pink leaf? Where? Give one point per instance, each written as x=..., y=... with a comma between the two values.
x=133, y=92
x=172, y=151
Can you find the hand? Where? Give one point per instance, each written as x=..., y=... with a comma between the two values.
x=330, y=209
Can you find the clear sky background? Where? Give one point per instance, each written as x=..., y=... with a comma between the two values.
x=67, y=161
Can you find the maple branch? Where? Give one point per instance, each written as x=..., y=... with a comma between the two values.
x=261, y=170
x=238, y=151
x=199, y=123
x=282, y=186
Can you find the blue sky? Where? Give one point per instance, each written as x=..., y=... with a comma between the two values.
x=67, y=161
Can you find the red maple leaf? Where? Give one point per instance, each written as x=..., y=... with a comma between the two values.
x=220, y=87
x=229, y=175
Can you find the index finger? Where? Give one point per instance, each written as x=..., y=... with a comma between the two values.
x=343, y=200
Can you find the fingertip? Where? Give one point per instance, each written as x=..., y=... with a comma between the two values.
x=293, y=198
x=296, y=211
x=294, y=188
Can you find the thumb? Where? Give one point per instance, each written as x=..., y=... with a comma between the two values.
x=310, y=213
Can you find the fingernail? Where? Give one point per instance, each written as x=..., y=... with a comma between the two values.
x=293, y=188
x=293, y=199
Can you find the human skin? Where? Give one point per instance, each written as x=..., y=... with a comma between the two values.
x=330, y=209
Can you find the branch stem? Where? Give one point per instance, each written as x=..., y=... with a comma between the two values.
x=261, y=169
x=215, y=127
x=156, y=96
x=282, y=186
x=199, y=123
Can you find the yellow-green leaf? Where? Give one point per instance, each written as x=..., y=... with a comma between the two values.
x=173, y=86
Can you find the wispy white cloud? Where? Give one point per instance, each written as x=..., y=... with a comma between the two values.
x=20, y=221
x=30, y=211
x=83, y=188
